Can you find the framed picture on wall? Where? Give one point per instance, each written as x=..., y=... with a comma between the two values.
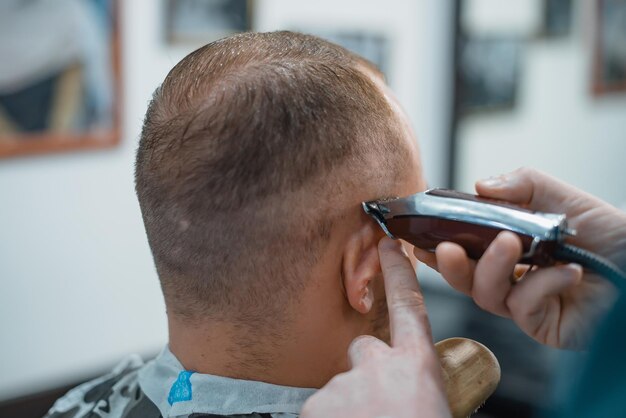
x=489, y=70
x=557, y=18
x=204, y=21
x=609, y=72
x=59, y=76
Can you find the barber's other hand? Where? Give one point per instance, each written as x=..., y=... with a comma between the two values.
x=403, y=380
x=557, y=306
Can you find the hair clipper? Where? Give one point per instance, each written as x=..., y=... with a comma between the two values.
x=473, y=222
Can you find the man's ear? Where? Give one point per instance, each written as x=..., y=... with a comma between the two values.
x=361, y=266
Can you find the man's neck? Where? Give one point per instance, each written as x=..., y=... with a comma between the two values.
x=279, y=357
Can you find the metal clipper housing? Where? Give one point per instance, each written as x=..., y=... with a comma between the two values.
x=431, y=217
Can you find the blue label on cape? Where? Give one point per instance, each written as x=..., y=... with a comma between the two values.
x=181, y=389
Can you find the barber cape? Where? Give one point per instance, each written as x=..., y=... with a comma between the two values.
x=163, y=388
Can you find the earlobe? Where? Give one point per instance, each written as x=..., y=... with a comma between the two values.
x=361, y=266
x=366, y=298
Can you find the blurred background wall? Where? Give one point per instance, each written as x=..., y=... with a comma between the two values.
x=78, y=290
x=557, y=124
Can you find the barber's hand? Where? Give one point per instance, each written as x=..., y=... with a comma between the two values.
x=403, y=380
x=557, y=306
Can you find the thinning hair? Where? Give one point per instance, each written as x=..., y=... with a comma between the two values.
x=247, y=154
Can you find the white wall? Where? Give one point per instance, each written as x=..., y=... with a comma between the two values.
x=77, y=286
x=557, y=125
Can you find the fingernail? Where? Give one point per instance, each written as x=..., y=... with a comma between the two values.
x=572, y=270
x=492, y=182
x=389, y=244
x=506, y=233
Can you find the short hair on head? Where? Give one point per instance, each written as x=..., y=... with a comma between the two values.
x=245, y=155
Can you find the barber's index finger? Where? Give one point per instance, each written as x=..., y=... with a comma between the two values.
x=407, y=313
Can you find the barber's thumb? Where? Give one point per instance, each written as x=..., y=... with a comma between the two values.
x=493, y=182
x=514, y=187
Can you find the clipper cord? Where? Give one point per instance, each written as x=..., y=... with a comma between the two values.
x=594, y=262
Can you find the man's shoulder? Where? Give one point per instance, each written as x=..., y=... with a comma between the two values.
x=116, y=394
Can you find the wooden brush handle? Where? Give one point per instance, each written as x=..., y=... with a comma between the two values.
x=471, y=374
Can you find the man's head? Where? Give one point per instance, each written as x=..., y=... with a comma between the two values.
x=255, y=154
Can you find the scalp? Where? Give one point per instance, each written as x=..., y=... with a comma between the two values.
x=248, y=152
